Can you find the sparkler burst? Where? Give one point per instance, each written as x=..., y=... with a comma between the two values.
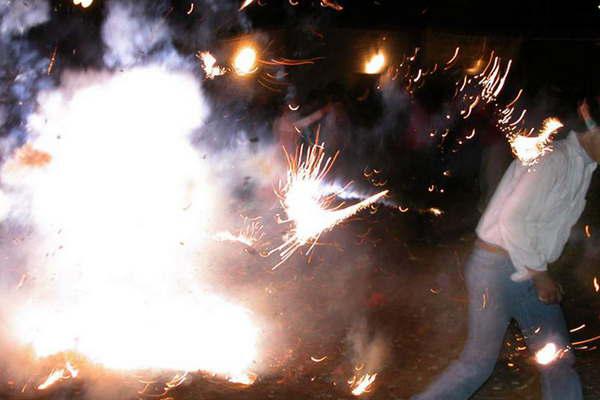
x=209, y=65
x=528, y=149
x=120, y=204
x=308, y=206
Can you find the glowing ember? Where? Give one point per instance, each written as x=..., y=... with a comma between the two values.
x=83, y=3
x=547, y=354
x=307, y=203
x=245, y=4
x=596, y=284
x=69, y=372
x=528, y=149
x=435, y=211
x=244, y=62
x=115, y=275
x=210, y=69
x=362, y=384
x=375, y=64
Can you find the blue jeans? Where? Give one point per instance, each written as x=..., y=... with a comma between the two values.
x=494, y=299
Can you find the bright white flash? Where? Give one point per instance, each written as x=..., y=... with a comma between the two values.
x=120, y=211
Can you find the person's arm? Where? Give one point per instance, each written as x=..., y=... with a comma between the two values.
x=521, y=229
x=311, y=118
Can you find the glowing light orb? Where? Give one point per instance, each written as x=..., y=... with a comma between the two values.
x=375, y=64
x=547, y=354
x=244, y=62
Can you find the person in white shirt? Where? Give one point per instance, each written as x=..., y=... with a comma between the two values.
x=524, y=228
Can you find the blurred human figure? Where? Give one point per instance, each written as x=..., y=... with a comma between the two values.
x=524, y=228
x=287, y=128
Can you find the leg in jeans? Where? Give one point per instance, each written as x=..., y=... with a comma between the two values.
x=542, y=324
x=489, y=316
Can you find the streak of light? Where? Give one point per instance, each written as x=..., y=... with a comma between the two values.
x=402, y=210
x=512, y=103
x=191, y=10
x=471, y=135
x=294, y=3
x=519, y=119
x=419, y=74
x=244, y=62
x=596, y=284
x=52, y=61
x=586, y=340
x=331, y=4
x=375, y=63
x=547, y=354
x=580, y=327
x=456, y=51
x=588, y=231
x=471, y=107
x=318, y=360
x=245, y=4
x=294, y=107
x=291, y=62
x=22, y=281
x=362, y=385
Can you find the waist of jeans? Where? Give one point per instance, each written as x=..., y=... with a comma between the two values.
x=490, y=248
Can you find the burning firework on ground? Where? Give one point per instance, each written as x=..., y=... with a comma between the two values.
x=115, y=230
x=310, y=208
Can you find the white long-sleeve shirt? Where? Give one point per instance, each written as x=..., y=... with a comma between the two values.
x=534, y=208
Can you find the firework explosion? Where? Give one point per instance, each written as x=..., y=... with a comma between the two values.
x=118, y=201
x=308, y=205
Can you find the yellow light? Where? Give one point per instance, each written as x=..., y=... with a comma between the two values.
x=375, y=64
x=244, y=62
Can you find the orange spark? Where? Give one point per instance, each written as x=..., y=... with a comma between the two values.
x=588, y=231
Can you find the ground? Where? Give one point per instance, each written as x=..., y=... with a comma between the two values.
x=375, y=276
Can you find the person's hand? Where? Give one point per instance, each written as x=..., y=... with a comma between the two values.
x=548, y=291
x=584, y=110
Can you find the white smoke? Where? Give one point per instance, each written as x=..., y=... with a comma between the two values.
x=18, y=16
x=129, y=35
